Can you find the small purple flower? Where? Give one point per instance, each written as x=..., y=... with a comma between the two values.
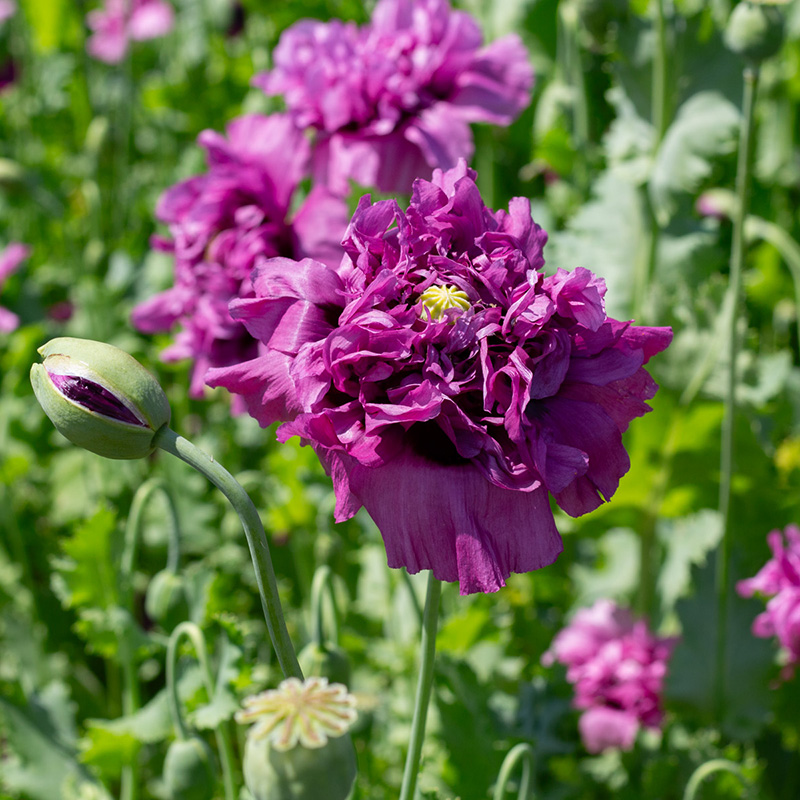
x=10, y=260
x=393, y=99
x=779, y=580
x=445, y=382
x=7, y=10
x=119, y=22
x=221, y=223
x=618, y=669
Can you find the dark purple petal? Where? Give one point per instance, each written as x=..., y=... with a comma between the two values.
x=95, y=398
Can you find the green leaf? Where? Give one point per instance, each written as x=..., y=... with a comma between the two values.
x=687, y=542
x=705, y=128
x=616, y=571
x=41, y=735
x=691, y=683
x=223, y=705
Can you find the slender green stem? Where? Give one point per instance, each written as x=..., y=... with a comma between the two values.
x=424, y=686
x=734, y=291
x=520, y=753
x=221, y=732
x=709, y=768
x=182, y=448
x=322, y=586
x=660, y=114
x=172, y=686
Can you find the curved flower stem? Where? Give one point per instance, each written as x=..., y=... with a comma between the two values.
x=733, y=300
x=424, y=686
x=520, y=753
x=320, y=586
x=222, y=734
x=172, y=443
x=708, y=769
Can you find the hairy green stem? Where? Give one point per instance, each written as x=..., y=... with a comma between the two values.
x=709, y=768
x=734, y=292
x=221, y=732
x=424, y=687
x=521, y=753
x=182, y=448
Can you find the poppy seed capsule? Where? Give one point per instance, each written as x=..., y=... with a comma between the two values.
x=99, y=397
x=298, y=747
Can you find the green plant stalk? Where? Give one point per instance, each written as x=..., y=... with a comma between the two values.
x=734, y=292
x=221, y=732
x=183, y=449
x=520, y=753
x=709, y=768
x=424, y=686
x=320, y=587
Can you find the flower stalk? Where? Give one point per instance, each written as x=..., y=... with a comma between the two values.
x=183, y=449
x=733, y=302
x=424, y=687
x=221, y=732
x=704, y=771
x=520, y=754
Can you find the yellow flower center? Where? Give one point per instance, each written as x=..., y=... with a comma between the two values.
x=437, y=299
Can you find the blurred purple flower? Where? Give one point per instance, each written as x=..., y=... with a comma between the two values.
x=7, y=9
x=618, y=669
x=221, y=223
x=120, y=21
x=10, y=259
x=446, y=383
x=393, y=99
x=779, y=579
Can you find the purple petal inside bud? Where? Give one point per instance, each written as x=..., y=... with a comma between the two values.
x=93, y=397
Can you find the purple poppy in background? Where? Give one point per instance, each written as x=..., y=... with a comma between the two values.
x=10, y=259
x=445, y=382
x=221, y=222
x=618, y=669
x=119, y=22
x=779, y=579
x=393, y=99
x=7, y=9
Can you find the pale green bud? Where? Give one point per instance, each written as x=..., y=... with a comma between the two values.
x=755, y=31
x=99, y=397
x=165, y=601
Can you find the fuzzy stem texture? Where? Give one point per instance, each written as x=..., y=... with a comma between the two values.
x=734, y=298
x=424, y=686
x=172, y=443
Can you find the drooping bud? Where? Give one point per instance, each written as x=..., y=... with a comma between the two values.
x=99, y=397
x=299, y=748
x=437, y=299
x=755, y=30
x=165, y=601
x=189, y=772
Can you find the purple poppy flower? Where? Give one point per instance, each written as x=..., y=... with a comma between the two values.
x=7, y=9
x=393, y=99
x=10, y=259
x=221, y=222
x=445, y=382
x=779, y=579
x=618, y=669
x=119, y=22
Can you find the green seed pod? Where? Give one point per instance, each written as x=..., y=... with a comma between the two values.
x=300, y=774
x=166, y=601
x=326, y=661
x=754, y=31
x=99, y=397
x=189, y=772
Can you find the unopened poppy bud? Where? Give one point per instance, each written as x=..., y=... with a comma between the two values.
x=299, y=748
x=189, y=770
x=99, y=397
x=166, y=602
x=755, y=31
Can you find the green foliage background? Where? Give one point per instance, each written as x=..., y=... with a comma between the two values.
x=86, y=149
